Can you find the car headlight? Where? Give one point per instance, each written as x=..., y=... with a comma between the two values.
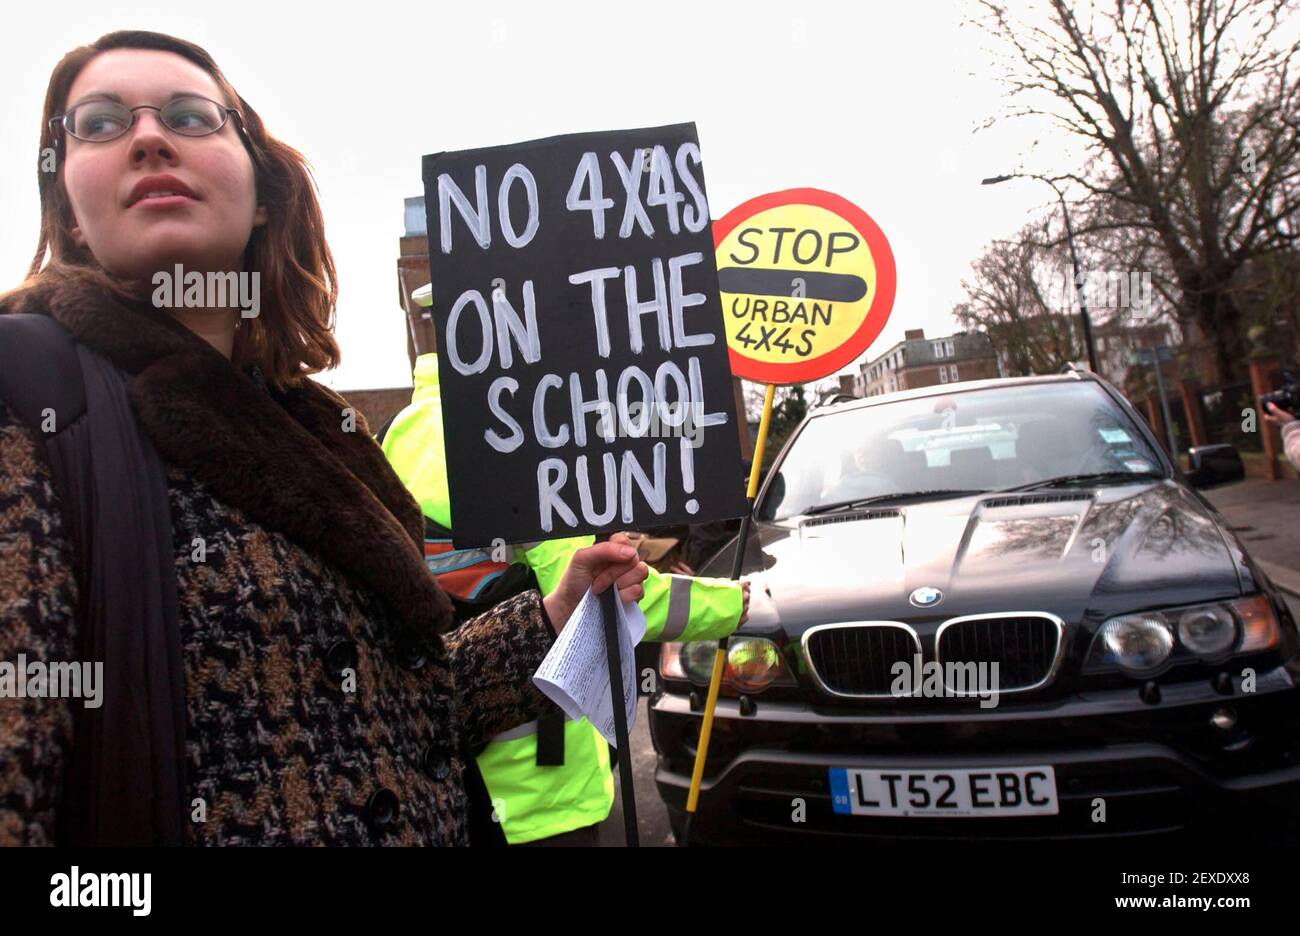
x=1208, y=631
x=697, y=659
x=1141, y=643
x=692, y=661
x=751, y=665
x=1136, y=643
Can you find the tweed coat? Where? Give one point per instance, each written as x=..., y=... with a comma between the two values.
x=312, y=716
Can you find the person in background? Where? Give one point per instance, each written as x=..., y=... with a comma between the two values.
x=550, y=778
x=1290, y=427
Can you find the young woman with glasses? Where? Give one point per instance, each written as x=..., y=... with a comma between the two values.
x=302, y=684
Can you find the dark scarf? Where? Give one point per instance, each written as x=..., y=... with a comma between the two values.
x=281, y=457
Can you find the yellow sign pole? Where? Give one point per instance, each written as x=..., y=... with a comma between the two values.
x=783, y=333
x=720, y=657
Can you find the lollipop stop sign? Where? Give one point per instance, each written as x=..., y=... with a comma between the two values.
x=807, y=281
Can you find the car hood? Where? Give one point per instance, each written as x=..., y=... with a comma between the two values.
x=1077, y=554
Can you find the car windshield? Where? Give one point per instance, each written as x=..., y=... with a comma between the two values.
x=976, y=440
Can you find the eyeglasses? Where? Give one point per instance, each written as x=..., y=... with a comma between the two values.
x=98, y=121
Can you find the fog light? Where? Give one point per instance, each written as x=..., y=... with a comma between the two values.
x=1224, y=719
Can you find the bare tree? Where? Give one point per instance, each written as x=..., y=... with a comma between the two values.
x=1190, y=113
x=1019, y=294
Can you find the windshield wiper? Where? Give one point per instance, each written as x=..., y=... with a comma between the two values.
x=934, y=493
x=1096, y=477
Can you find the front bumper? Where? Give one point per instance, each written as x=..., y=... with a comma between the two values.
x=1160, y=768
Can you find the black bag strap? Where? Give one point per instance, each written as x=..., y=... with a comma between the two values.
x=550, y=737
x=44, y=384
x=41, y=381
x=125, y=782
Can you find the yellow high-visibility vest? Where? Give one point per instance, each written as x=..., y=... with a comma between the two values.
x=535, y=802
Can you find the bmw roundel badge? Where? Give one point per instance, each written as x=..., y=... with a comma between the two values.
x=926, y=597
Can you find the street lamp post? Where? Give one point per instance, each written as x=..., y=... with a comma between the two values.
x=1074, y=260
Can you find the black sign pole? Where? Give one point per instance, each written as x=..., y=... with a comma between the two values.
x=609, y=611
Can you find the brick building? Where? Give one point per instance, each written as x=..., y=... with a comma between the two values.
x=382, y=404
x=1118, y=343
x=378, y=405
x=917, y=361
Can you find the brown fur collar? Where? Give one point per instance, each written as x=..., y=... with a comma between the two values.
x=280, y=457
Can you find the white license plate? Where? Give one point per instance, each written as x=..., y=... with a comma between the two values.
x=986, y=791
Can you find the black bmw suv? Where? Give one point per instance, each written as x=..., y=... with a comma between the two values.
x=991, y=610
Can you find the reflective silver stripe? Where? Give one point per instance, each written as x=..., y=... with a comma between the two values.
x=521, y=731
x=533, y=545
x=679, y=607
x=457, y=559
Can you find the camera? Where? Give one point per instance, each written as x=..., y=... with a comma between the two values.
x=1288, y=397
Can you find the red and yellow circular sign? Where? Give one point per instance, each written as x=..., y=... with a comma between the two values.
x=807, y=282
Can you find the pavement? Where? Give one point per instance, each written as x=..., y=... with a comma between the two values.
x=1265, y=515
x=651, y=816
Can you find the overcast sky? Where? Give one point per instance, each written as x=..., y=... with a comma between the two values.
x=876, y=102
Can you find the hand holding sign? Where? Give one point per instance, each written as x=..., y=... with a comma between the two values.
x=596, y=568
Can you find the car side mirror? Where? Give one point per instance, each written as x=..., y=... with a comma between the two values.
x=1212, y=465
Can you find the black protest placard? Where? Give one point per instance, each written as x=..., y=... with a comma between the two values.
x=581, y=353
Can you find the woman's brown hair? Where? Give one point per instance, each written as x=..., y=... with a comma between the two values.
x=292, y=335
